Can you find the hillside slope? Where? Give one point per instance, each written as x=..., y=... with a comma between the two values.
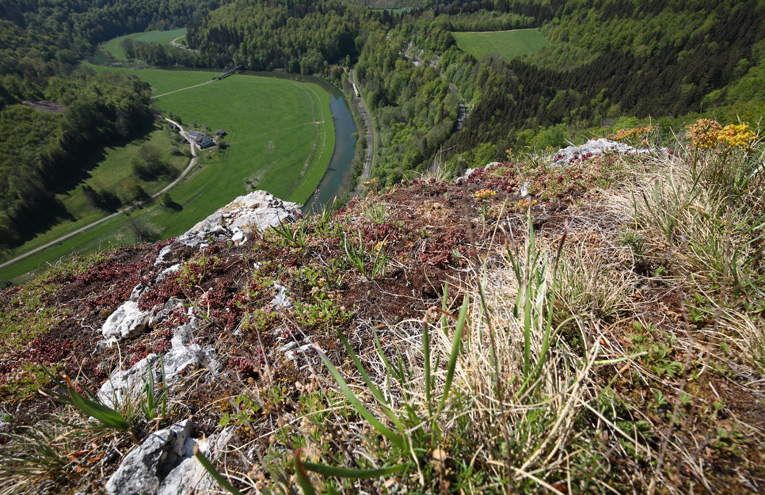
x=578, y=322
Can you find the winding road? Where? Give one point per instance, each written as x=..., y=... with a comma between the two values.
x=191, y=164
x=370, y=140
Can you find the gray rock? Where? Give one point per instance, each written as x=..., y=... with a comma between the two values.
x=125, y=387
x=168, y=271
x=127, y=320
x=139, y=289
x=179, y=359
x=255, y=211
x=183, y=334
x=596, y=147
x=163, y=254
x=281, y=300
x=239, y=236
x=190, y=476
x=147, y=467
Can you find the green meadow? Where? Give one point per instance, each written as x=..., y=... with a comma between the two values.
x=508, y=44
x=280, y=138
x=114, y=47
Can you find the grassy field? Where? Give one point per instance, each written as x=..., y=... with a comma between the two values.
x=114, y=46
x=280, y=138
x=508, y=44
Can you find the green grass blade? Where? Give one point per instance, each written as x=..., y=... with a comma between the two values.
x=392, y=371
x=455, y=352
x=426, y=357
x=102, y=413
x=348, y=473
x=356, y=403
x=302, y=476
x=372, y=387
x=222, y=481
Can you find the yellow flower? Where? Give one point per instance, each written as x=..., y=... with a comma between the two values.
x=707, y=133
x=736, y=136
x=485, y=195
x=704, y=133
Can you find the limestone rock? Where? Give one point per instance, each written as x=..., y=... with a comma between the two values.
x=145, y=469
x=127, y=320
x=594, y=147
x=190, y=476
x=255, y=211
x=127, y=386
x=179, y=359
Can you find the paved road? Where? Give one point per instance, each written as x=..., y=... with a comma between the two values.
x=370, y=140
x=191, y=164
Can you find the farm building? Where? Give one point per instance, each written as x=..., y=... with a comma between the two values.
x=201, y=139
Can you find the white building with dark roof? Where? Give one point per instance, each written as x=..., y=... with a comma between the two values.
x=201, y=139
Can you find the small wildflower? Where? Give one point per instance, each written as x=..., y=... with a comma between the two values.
x=707, y=133
x=485, y=195
x=736, y=136
x=636, y=132
x=704, y=133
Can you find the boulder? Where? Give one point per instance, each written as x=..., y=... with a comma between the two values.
x=190, y=476
x=164, y=464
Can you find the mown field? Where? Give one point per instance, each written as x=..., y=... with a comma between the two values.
x=114, y=47
x=280, y=138
x=508, y=44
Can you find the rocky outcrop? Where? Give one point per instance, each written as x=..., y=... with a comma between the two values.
x=145, y=469
x=255, y=211
x=164, y=463
x=595, y=147
x=128, y=320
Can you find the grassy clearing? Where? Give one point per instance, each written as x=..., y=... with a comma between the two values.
x=114, y=46
x=280, y=132
x=507, y=44
x=112, y=169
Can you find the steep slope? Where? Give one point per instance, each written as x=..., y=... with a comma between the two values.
x=593, y=320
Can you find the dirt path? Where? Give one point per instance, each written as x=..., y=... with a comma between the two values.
x=184, y=89
x=188, y=168
x=370, y=140
x=182, y=47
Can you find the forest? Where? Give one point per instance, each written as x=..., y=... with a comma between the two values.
x=608, y=59
x=41, y=46
x=668, y=61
